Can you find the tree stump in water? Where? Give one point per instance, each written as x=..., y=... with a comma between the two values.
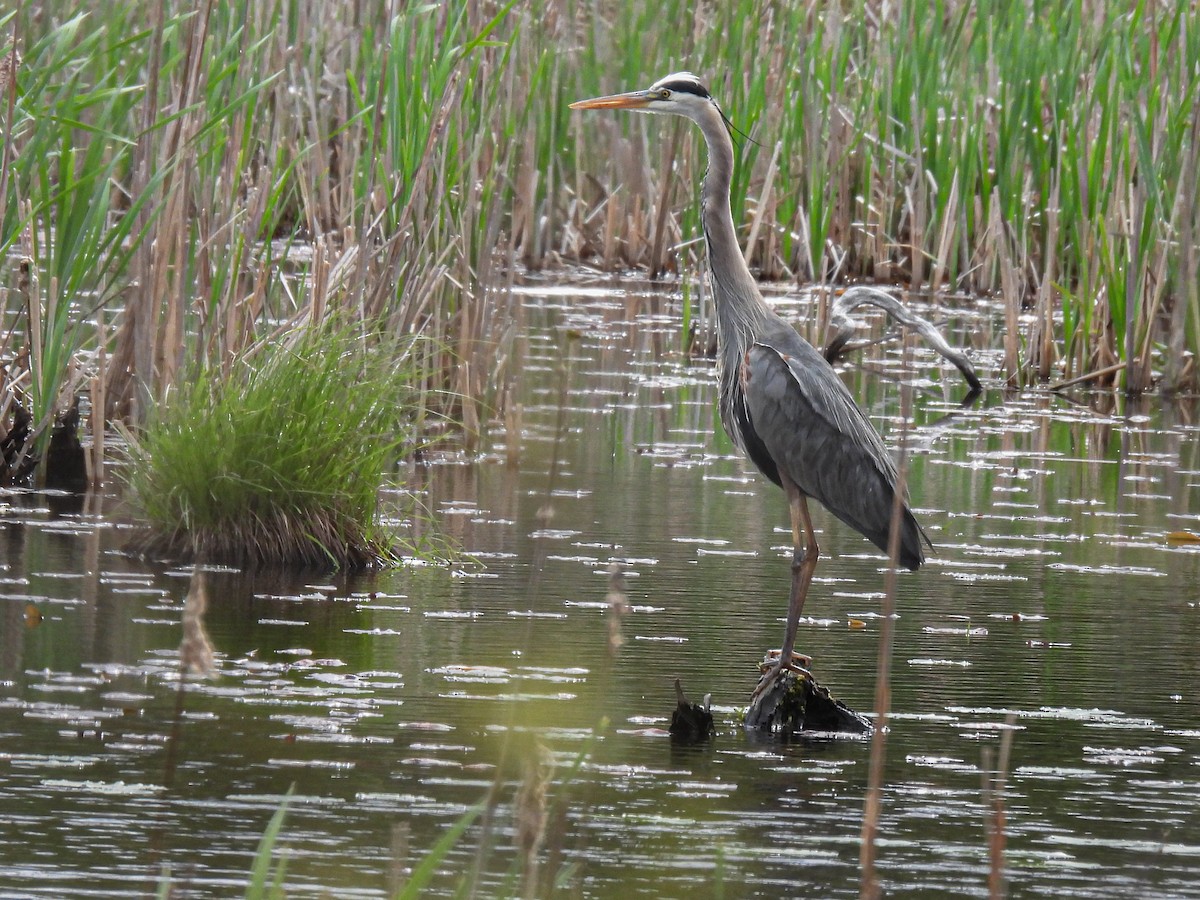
x=66, y=461
x=691, y=722
x=797, y=704
x=16, y=466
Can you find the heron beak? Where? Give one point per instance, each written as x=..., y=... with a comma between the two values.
x=632, y=100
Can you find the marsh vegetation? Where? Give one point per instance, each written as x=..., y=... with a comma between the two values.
x=180, y=180
x=278, y=460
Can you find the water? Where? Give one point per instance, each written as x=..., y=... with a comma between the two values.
x=391, y=704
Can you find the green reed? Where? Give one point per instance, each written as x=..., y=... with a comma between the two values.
x=194, y=175
x=994, y=148
x=58, y=231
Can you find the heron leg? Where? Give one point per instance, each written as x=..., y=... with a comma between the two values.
x=804, y=564
x=805, y=554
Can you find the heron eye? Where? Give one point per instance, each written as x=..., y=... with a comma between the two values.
x=664, y=93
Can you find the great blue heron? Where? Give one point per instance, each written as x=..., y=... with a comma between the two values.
x=781, y=402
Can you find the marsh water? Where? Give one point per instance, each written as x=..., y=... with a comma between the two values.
x=1054, y=606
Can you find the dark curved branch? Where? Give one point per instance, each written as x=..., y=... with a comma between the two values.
x=843, y=327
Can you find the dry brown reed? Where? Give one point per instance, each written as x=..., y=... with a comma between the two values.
x=995, y=818
x=870, y=887
x=10, y=65
x=617, y=599
x=530, y=814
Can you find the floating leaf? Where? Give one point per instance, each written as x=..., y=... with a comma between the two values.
x=33, y=616
x=1183, y=537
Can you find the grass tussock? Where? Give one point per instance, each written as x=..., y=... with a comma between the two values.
x=281, y=460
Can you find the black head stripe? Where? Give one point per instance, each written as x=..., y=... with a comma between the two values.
x=684, y=84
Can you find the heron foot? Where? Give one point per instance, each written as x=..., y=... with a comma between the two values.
x=774, y=669
x=802, y=659
x=782, y=685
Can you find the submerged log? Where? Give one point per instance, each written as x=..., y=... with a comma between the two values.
x=797, y=704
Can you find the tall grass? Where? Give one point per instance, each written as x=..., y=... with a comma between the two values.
x=194, y=174
x=58, y=229
x=1032, y=152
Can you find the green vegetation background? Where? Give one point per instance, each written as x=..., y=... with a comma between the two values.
x=179, y=182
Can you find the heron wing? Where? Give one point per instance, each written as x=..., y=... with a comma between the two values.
x=806, y=419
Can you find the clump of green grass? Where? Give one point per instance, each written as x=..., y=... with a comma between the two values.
x=281, y=460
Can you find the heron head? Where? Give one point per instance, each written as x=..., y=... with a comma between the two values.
x=680, y=94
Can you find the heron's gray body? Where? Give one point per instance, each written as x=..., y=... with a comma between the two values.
x=816, y=435
x=780, y=401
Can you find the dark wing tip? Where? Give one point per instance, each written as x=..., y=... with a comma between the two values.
x=913, y=543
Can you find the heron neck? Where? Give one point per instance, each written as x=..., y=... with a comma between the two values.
x=739, y=305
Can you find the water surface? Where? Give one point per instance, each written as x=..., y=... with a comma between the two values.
x=392, y=703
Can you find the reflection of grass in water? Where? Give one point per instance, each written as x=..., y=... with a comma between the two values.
x=281, y=460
